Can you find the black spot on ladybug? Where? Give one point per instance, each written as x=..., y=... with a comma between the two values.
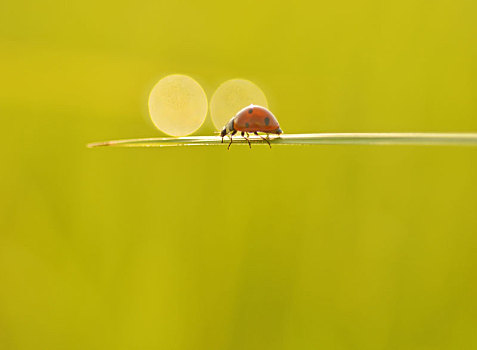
x=246, y=125
x=267, y=120
x=250, y=111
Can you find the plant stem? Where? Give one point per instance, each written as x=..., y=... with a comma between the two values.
x=307, y=139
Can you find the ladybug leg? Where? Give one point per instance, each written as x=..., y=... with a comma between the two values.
x=263, y=138
x=246, y=138
x=232, y=134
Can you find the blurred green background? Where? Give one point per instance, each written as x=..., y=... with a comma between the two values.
x=339, y=247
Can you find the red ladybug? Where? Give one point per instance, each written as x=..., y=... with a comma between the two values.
x=252, y=119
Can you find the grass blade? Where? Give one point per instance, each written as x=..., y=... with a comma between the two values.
x=307, y=139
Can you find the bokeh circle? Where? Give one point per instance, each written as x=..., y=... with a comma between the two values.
x=231, y=96
x=177, y=105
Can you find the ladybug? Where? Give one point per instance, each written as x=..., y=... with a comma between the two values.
x=252, y=119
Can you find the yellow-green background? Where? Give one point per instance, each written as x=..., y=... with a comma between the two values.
x=339, y=247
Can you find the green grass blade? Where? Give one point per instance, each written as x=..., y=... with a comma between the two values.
x=307, y=139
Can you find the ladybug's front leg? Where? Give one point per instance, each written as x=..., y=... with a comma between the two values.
x=232, y=134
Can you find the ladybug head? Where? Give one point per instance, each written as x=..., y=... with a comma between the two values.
x=228, y=128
